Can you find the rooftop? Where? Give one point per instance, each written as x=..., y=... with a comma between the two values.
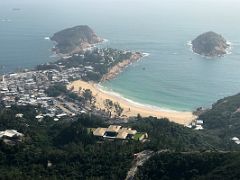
x=118, y=132
x=113, y=128
x=10, y=133
x=99, y=132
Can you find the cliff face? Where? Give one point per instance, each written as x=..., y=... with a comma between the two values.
x=210, y=44
x=75, y=39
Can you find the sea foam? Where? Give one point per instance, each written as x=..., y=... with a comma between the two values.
x=146, y=54
x=47, y=38
x=229, y=49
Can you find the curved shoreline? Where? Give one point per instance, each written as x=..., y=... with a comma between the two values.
x=157, y=108
x=131, y=108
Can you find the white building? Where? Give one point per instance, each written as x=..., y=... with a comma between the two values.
x=10, y=133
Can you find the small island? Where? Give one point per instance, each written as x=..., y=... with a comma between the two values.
x=210, y=44
x=75, y=39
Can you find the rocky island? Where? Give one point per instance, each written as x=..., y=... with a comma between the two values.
x=75, y=39
x=210, y=44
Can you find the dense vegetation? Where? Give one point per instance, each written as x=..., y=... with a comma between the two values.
x=61, y=90
x=168, y=135
x=66, y=149
x=223, y=119
x=56, y=90
x=193, y=165
x=67, y=144
x=223, y=113
x=79, y=36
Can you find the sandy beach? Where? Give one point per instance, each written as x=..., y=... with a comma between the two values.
x=130, y=108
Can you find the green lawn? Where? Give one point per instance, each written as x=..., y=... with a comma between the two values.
x=137, y=136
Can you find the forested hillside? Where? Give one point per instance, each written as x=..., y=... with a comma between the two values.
x=223, y=119
x=67, y=149
x=191, y=165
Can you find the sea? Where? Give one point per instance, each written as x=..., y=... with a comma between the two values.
x=171, y=77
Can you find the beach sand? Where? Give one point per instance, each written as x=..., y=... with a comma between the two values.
x=135, y=109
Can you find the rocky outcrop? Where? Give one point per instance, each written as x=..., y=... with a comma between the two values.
x=140, y=159
x=210, y=44
x=75, y=39
x=119, y=67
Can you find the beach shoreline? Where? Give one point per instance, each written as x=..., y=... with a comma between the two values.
x=130, y=108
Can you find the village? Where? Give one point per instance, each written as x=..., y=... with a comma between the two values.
x=29, y=87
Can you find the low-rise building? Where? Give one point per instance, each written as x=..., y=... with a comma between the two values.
x=236, y=140
x=119, y=132
x=11, y=137
x=10, y=133
x=99, y=132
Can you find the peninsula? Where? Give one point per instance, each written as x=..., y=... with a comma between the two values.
x=210, y=44
x=75, y=39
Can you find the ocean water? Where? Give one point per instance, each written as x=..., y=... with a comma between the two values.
x=171, y=77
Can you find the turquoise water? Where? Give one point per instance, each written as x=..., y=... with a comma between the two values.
x=173, y=78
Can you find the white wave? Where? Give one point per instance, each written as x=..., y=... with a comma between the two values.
x=229, y=43
x=47, y=38
x=134, y=103
x=189, y=43
x=105, y=40
x=146, y=54
x=229, y=49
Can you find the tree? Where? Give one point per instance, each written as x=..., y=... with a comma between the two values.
x=118, y=108
x=87, y=94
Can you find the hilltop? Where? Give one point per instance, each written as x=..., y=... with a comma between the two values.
x=223, y=119
x=210, y=44
x=75, y=39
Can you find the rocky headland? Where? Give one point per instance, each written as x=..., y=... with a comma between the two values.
x=119, y=67
x=75, y=39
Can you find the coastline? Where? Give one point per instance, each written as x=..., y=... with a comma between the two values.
x=130, y=108
x=119, y=67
